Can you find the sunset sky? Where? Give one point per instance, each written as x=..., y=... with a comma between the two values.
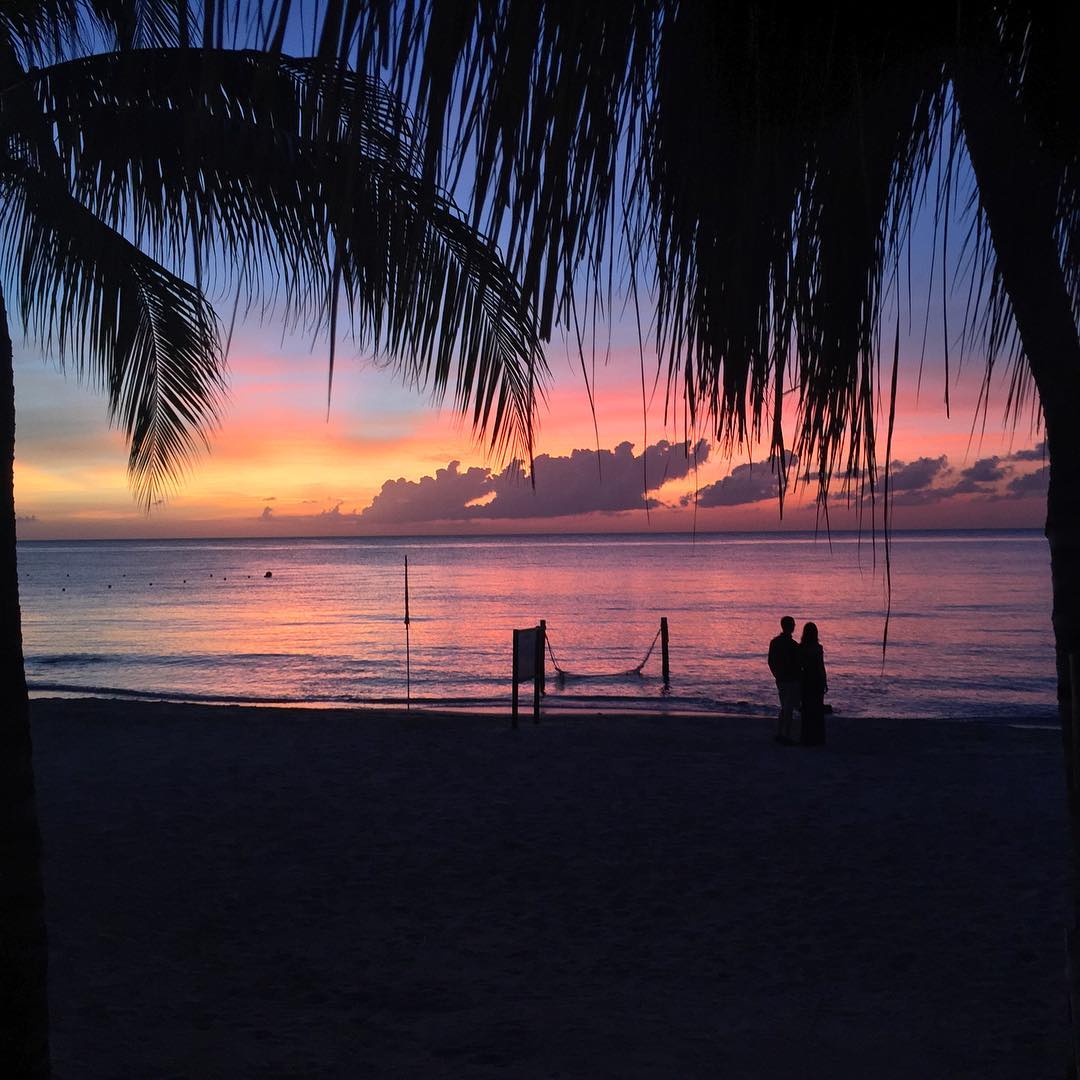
x=387, y=462
x=384, y=461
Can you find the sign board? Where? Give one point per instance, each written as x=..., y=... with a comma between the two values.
x=529, y=666
x=525, y=660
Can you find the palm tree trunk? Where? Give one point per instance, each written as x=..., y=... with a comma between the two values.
x=24, y=1037
x=1018, y=189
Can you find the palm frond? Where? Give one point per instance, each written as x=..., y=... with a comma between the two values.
x=293, y=180
x=1041, y=46
x=444, y=309
x=766, y=164
x=110, y=312
x=39, y=31
x=218, y=155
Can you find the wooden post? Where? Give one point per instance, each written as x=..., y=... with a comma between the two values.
x=543, y=656
x=538, y=672
x=408, y=651
x=664, y=649
x=514, y=698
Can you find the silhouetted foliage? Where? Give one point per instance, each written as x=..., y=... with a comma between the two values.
x=146, y=171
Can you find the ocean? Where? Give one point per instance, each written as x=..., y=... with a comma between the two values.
x=320, y=621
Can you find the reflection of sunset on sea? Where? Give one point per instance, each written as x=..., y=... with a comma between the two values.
x=279, y=465
x=201, y=619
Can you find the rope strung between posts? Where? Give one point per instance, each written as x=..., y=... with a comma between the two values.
x=564, y=674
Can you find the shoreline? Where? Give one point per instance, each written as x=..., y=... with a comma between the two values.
x=237, y=892
x=551, y=709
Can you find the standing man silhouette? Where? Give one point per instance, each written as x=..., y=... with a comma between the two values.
x=785, y=665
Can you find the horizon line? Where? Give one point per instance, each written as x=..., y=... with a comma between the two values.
x=824, y=534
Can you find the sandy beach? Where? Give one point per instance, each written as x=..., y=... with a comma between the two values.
x=242, y=892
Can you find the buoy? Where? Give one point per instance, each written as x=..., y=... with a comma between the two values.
x=268, y=573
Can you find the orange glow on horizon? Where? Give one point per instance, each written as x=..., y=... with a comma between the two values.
x=278, y=450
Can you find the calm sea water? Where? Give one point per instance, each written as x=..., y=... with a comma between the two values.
x=969, y=635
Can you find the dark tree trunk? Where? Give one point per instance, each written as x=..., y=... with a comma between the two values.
x=1017, y=189
x=24, y=1038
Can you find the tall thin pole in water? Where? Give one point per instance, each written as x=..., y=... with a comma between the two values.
x=408, y=657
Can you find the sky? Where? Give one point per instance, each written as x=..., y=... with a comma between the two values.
x=387, y=462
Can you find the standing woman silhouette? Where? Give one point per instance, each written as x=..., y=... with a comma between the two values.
x=815, y=685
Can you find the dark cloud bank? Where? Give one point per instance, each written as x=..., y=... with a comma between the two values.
x=612, y=481
x=750, y=483
x=585, y=482
x=921, y=482
x=932, y=480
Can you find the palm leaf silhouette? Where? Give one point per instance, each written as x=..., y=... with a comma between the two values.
x=147, y=172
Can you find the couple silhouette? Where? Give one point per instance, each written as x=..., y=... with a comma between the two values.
x=799, y=670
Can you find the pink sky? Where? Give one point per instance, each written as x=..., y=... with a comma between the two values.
x=278, y=466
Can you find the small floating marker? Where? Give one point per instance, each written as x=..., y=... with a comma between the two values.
x=62, y=589
x=269, y=573
x=110, y=586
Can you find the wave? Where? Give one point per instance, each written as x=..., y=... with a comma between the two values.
x=554, y=704
x=72, y=659
x=181, y=659
x=559, y=702
x=43, y=686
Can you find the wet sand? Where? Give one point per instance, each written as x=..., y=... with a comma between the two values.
x=288, y=893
